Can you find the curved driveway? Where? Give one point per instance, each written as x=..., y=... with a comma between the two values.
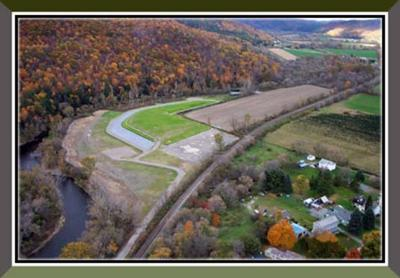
x=115, y=129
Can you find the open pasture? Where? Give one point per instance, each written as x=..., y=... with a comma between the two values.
x=257, y=106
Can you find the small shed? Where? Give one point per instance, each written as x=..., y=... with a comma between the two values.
x=325, y=200
x=326, y=164
x=310, y=157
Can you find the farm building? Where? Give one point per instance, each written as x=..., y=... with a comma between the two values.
x=273, y=253
x=326, y=165
x=329, y=223
x=299, y=230
x=342, y=214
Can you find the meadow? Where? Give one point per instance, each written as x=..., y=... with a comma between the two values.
x=307, y=52
x=165, y=124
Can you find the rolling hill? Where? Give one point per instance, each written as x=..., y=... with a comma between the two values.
x=67, y=67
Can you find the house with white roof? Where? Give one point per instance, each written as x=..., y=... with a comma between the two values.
x=326, y=164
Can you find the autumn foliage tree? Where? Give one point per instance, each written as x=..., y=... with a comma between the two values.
x=77, y=250
x=215, y=219
x=281, y=235
x=65, y=65
x=353, y=254
x=301, y=185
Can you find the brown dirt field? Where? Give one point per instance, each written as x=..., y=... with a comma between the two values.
x=283, y=54
x=257, y=106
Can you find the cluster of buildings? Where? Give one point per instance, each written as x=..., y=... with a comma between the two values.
x=360, y=202
x=310, y=161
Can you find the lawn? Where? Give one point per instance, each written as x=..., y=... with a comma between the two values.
x=365, y=103
x=367, y=53
x=234, y=224
x=164, y=123
x=343, y=196
x=307, y=52
x=293, y=205
x=262, y=152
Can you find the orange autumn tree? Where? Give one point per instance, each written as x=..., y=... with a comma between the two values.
x=188, y=228
x=215, y=219
x=353, y=254
x=282, y=235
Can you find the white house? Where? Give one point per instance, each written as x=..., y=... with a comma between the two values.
x=329, y=223
x=327, y=164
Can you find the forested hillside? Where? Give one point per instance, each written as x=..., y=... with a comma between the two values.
x=71, y=66
x=233, y=29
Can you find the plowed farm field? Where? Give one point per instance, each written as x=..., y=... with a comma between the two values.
x=258, y=107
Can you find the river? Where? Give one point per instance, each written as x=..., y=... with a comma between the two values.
x=75, y=204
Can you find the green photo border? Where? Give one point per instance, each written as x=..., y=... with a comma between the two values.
x=7, y=6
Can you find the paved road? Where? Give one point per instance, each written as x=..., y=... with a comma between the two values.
x=115, y=129
x=227, y=156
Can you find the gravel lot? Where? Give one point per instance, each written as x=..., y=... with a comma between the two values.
x=199, y=147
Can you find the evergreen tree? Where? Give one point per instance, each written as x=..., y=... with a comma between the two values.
x=356, y=223
x=368, y=204
x=355, y=185
x=323, y=183
x=359, y=176
x=277, y=181
x=369, y=219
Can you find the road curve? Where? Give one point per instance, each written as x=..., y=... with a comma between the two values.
x=115, y=129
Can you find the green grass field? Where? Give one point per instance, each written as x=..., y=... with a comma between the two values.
x=365, y=103
x=163, y=122
x=292, y=204
x=307, y=52
x=367, y=53
x=234, y=224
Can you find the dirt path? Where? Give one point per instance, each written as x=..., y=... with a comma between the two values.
x=124, y=251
